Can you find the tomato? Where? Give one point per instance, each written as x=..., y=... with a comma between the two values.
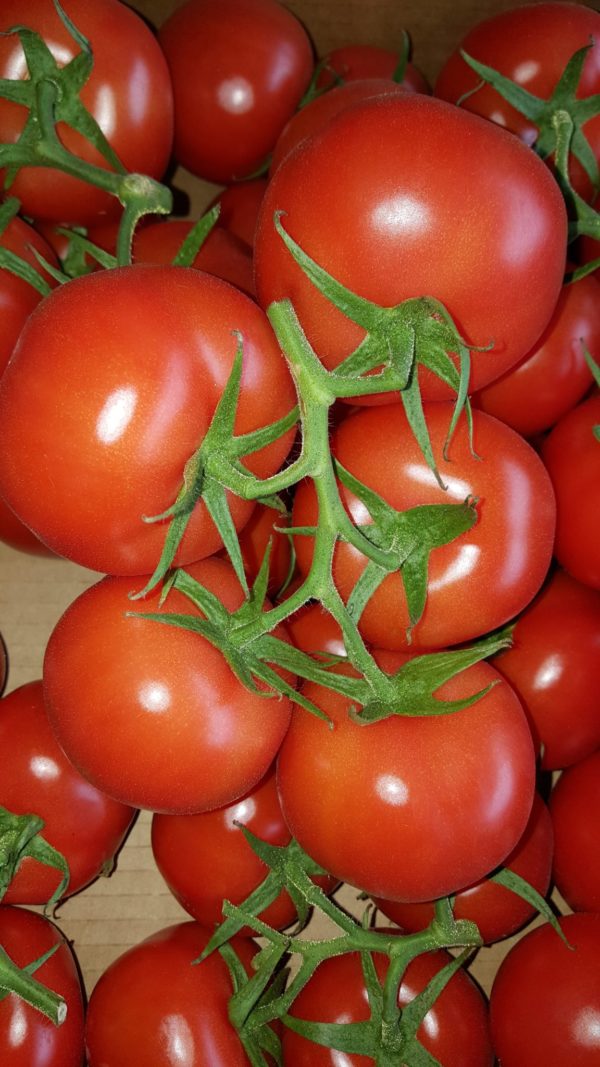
x=110, y=391
x=498, y=912
x=571, y=453
x=455, y=1030
x=17, y=297
x=554, y=666
x=240, y=204
x=239, y=69
x=410, y=808
x=575, y=811
x=531, y=45
x=15, y=534
x=222, y=253
x=28, y=1038
x=152, y=714
x=382, y=199
x=86, y=826
x=314, y=630
x=220, y=864
x=264, y=526
x=554, y=376
x=152, y=1006
x=353, y=62
x=545, y=1001
x=508, y=550
x=128, y=93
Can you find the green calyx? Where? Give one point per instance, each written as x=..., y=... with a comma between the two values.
x=20, y=837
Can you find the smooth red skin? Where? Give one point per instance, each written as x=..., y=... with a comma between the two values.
x=205, y=859
x=315, y=115
x=254, y=541
x=313, y=630
x=85, y=825
x=240, y=204
x=455, y=1030
x=239, y=69
x=28, y=1038
x=508, y=550
x=465, y=782
x=575, y=812
x=475, y=238
x=353, y=62
x=16, y=535
x=156, y=345
x=128, y=93
x=572, y=457
x=497, y=911
x=531, y=45
x=151, y=1006
x=17, y=297
x=553, y=378
x=554, y=666
x=222, y=254
x=152, y=714
x=545, y=1000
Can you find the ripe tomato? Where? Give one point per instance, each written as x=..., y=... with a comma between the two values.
x=410, y=808
x=314, y=630
x=254, y=539
x=86, y=826
x=112, y=388
x=572, y=456
x=151, y=1006
x=15, y=534
x=128, y=93
x=554, y=376
x=508, y=550
x=152, y=714
x=531, y=45
x=240, y=204
x=28, y=1038
x=554, y=666
x=381, y=198
x=239, y=69
x=497, y=911
x=222, y=254
x=455, y=1030
x=353, y=62
x=575, y=811
x=17, y=297
x=545, y=1001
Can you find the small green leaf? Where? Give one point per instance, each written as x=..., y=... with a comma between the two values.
x=513, y=881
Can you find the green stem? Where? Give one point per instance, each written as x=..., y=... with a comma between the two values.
x=13, y=979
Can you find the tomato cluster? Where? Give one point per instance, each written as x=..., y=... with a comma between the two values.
x=334, y=450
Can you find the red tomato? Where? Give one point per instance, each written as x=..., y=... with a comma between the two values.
x=545, y=1001
x=239, y=69
x=152, y=714
x=498, y=912
x=571, y=453
x=353, y=62
x=575, y=811
x=554, y=376
x=222, y=254
x=531, y=45
x=17, y=297
x=128, y=93
x=220, y=864
x=15, y=534
x=128, y=366
x=254, y=539
x=382, y=199
x=151, y=1006
x=314, y=630
x=86, y=826
x=240, y=204
x=28, y=1038
x=410, y=808
x=508, y=550
x=455, y=1030
x=554, y=666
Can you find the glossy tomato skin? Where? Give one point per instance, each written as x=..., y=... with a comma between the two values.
x=455, y=1030
x=571, y=453
x=508, y=549
x=85, y=825
x=239, y=69
x=221, y=254
x=410, y=808
x=554, y=666
x=575, y=812
x=205, y=859
x=152, y=714
x=239, y=207
x=381, y=199
x=554, y=377
x=128, y=93
x=129, y=365
x=545, y=1000
x=530, y=44
x=16, y=535
x=17, y=297
x=28, y=1038
x=497, y=911
x=152, y=1006
x=353, y=62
